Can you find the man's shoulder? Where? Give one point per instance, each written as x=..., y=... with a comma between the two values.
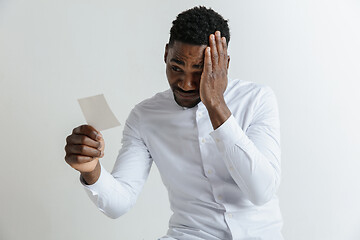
x=242, y=88
x=160, y=99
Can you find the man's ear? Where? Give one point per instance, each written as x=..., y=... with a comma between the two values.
x=166, y=52
x=228, y=62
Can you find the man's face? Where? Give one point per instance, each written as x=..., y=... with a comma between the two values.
x=184, y=66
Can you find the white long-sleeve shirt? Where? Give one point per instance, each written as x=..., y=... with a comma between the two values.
x=222, y=183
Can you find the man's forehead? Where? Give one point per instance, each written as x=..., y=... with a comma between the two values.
x=183, y=51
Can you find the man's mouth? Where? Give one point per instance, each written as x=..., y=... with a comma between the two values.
x=186, y=95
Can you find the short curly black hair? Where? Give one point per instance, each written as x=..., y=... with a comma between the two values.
x=195, y=25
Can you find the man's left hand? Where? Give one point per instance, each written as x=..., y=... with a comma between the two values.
x=214, y=76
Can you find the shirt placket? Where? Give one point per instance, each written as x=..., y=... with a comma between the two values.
x=206, y=143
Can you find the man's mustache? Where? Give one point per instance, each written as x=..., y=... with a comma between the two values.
x=186, y=92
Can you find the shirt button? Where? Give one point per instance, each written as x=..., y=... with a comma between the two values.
x=203, y=140
x=231, y=168
x=217, y=140
x=229, y=215
x=200, y=114
x=209, y=171
x=220, y=197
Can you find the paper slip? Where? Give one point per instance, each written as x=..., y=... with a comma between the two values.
x=98, y=113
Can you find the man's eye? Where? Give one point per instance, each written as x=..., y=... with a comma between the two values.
x=176, y=69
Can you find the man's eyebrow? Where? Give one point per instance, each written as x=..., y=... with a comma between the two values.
x=177, y=61
x=198, y=66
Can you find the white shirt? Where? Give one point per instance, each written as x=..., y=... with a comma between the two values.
x=222, y=184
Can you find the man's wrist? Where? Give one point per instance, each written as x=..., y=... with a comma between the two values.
x=215, y=104
x=218, y=113
x=91, y=177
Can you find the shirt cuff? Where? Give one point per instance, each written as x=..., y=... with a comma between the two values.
x=102, y=185
x=229, y=134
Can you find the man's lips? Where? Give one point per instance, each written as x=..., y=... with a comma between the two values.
x=187, y=95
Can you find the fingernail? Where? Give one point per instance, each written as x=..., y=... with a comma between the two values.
x=98, y=137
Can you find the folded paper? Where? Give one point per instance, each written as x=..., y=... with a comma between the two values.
x=98, y=113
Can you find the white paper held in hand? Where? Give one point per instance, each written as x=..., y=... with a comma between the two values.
x=98, y=113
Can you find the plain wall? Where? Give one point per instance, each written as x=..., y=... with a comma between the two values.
x=54, y=52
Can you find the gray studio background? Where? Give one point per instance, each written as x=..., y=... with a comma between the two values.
x=54, y=52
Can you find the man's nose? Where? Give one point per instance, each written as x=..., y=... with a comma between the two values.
x=189, y=83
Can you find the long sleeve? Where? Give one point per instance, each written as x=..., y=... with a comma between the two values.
x=253, y=157
x=114, y=194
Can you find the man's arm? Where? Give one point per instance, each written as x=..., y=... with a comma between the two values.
x=252, y=158
x=114, y=194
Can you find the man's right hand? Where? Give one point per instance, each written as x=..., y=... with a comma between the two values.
x=83, y=149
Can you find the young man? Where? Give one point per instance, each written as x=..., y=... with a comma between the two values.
x=216, y=143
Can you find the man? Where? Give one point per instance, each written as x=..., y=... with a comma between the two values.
x=216, y=143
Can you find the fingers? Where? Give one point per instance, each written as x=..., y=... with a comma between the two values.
x=82, y=150
x=218, y=48
x=216, y=54
x=81, y=144
x=88, y=131
x=213, y=48
x=77, y=159
x=224, y=45
x=82, y=139
x=207, y=61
